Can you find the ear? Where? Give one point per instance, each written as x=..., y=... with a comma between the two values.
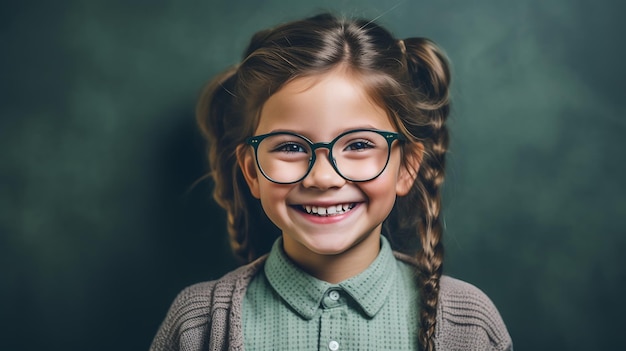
x=247, y=163
x=408, y=169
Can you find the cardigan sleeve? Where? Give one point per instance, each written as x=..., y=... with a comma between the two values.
x=468, y=320
x=186, y=325
x=207, y=316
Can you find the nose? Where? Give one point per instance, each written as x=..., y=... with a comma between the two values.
x=323, y=175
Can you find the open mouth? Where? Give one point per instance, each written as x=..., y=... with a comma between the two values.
x=333, y=210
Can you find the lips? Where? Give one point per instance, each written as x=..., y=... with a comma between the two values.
x=325, y=211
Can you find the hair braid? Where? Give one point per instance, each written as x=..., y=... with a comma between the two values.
x=220, y=121
x=430, y=74
x=430, y=257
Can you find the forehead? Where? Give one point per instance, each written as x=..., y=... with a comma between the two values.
x=322, y=106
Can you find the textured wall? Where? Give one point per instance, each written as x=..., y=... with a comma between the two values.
x=100, y=227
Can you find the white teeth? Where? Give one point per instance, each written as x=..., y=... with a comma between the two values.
x=328, y=211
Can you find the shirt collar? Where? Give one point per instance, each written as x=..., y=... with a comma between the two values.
x=304, y=293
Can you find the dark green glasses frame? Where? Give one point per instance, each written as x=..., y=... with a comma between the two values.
x=254, y=141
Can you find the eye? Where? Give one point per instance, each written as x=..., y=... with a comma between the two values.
x=290, y=147
x=360, y=145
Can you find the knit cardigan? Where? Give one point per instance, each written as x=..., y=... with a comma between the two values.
x=208, y=316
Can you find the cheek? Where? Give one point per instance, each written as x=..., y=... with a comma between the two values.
x=273, y=197
x=382, y=190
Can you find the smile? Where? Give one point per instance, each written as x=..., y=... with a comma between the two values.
x=334, y=210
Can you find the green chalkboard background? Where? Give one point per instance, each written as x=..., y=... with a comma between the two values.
x=100, y=225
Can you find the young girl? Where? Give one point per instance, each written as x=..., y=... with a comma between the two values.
x=327, y=147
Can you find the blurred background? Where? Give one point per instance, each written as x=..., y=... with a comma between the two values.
x=100, y=225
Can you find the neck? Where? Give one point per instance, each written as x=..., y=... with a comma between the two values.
x=335, y=268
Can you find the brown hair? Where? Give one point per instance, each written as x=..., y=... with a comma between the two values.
x=409, y=78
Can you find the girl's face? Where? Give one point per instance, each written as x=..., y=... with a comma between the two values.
x=320, y=108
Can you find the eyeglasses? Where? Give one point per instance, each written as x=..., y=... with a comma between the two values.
x=357, y=155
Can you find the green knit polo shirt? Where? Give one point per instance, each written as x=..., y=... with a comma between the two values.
x=287, y=309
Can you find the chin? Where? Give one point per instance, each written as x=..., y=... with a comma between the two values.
x=329, y=248
x=329, y=251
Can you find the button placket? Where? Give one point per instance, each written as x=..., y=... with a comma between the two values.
x=332, y=320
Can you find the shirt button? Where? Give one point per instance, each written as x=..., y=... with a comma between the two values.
x=333, y=345
x=334, y=295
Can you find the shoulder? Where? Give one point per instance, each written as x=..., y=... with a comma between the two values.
x=194, y=308
x=466, y=317
x=197, y=300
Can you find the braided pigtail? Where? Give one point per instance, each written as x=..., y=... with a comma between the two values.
x=430, y=76
x=221, y=120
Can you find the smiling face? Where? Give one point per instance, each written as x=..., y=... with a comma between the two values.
x=325, y=216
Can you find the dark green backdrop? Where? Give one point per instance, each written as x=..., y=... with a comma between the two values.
x=99, y=225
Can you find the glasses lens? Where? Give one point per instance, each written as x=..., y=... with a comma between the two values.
x=361, y=155
x=284, y=158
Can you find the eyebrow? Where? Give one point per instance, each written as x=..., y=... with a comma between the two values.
x=304, y=133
